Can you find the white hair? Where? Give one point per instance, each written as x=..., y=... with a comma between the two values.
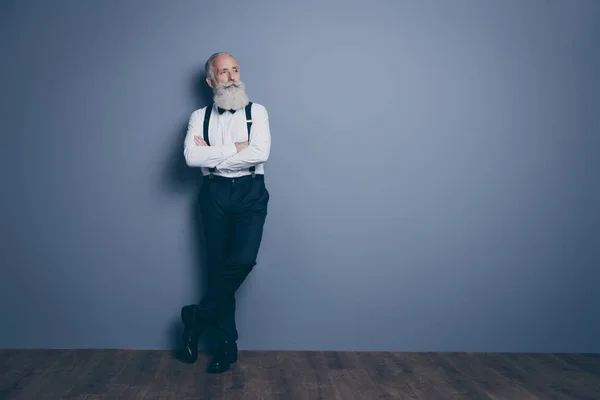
x=228, y=95
x=209, y=67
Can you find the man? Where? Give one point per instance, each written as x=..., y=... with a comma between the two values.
x=233, y=202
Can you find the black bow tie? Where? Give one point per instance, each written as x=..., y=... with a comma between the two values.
x=221, y=110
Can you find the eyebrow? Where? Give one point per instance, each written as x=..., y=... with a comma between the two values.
x=226, y=68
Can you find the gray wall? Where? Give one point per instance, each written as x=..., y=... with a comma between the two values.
x=434, y=172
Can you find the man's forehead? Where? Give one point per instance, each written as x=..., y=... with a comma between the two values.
x=224, y=62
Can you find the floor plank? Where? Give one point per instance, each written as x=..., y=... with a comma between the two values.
x=136, y=374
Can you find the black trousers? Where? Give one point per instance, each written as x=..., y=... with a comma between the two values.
x=234, y=213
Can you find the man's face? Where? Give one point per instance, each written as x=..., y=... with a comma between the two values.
x=226, y=71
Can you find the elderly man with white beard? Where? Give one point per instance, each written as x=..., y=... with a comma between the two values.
x=230, y=140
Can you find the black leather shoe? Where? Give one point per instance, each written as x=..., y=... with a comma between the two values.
x=190, y=333
x=226, y=354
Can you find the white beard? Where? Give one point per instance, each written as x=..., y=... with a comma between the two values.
x=231, y=95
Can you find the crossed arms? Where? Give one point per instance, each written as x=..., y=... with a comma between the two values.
x=232, y=156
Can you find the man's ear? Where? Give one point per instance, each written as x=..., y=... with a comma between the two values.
x=209, y=81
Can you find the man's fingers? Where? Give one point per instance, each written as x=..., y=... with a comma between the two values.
x=199, y=141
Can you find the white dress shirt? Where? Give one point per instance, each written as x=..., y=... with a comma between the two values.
x=224, y=130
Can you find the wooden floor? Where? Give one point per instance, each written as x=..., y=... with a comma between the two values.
x=133, y=374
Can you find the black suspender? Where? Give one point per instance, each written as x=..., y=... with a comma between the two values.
x=248, y=126
x=206, y=121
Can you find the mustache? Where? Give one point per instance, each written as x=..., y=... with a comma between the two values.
x=232, y=83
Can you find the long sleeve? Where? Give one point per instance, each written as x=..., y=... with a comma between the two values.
x=259, y=146
x=203, y=156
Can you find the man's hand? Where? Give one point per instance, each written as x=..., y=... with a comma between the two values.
x=199, y=141
x=241, y=146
